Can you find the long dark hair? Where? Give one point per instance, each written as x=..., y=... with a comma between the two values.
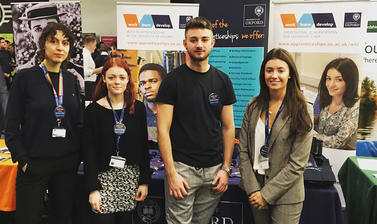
x=49, y=32
x=350, y=75
x=295, y=103
x=129, y=93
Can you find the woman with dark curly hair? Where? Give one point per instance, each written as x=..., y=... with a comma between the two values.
x=115, y=146
x=339, y=105
x=43, y=130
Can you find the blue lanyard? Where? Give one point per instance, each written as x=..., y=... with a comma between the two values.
x=117, y=122
x=266, y=131
x=58, y=95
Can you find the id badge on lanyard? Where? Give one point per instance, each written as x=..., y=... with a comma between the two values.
x=59, y=111
x=119, y=129
x=264, y=160
x=117, y=162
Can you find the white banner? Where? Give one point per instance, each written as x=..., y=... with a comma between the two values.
x=320, y=27
x=153, y=26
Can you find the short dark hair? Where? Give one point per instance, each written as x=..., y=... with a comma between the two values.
x=114, y=44
x=350, y=75
x=49, y=32
x=198, y=23
x=154, y=67
x=88, y=38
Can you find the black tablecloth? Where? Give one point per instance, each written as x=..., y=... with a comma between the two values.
x=321, y=205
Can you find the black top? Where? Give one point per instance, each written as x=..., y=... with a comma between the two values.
x=5, y=61
x=30, y=116
x=198, y=99
x=100, y=142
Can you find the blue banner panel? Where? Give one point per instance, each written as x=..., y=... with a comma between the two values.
x=241, y=23
x=242, y=64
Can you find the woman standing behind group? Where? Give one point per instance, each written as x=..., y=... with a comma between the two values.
x=115, y=146
x=275, y=142
x=339, y=106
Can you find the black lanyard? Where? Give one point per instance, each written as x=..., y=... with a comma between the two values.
x=264, y=149
x=119, y=127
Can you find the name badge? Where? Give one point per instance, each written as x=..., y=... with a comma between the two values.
x=264, y=163
x=59, y=112
x=117, y=162
x=58, y=132
x=119, y=128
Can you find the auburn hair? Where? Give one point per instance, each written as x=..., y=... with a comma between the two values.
x=129, y=93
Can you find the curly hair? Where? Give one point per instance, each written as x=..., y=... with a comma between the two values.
x=49, y=32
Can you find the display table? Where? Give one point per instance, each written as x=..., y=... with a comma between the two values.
x=8, y=173
x=360, y=191
x=321, y=205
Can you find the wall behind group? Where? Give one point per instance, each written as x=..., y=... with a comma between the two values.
x=99, y=16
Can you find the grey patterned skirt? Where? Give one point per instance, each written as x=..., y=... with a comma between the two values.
x=119, y=186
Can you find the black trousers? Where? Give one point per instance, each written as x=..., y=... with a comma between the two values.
x=58, y=176
x=113, y=218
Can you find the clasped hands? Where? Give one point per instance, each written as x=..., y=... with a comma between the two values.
x=257, y=201
x=178, y=186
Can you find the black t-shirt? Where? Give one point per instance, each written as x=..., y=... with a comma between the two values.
x=198, y=99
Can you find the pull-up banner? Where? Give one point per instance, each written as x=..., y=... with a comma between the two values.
x=240, y=29
x=237, y=23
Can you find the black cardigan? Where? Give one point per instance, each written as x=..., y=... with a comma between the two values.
x=100, y=142
x=30, y=116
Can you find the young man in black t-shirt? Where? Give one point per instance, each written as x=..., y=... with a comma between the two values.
x=195, y=130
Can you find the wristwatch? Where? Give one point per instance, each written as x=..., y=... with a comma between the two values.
x=227, y=169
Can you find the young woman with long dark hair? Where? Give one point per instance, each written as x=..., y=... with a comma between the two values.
x=339, y=105
x=275, y=141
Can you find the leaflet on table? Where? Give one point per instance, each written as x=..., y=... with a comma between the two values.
x=4, y=150
x=242, y=65
x=367, y=164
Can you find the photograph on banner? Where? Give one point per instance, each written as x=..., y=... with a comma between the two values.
x=331, y=82
x=153, y=67
x=6, y=16
x=29, y=19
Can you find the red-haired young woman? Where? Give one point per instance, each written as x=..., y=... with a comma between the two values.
x=115, y=146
